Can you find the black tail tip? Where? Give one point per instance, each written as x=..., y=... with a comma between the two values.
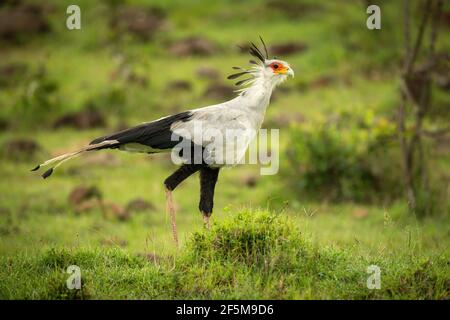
x=47, y=173
x=37, y=168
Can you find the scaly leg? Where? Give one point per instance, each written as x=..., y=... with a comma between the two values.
x=171, y=209
x=206, y=221
x=171, y=183
x=208, y=179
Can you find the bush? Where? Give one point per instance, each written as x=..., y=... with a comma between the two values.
x=345, y=157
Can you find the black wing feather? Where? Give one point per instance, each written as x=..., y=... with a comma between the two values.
x=155, y=134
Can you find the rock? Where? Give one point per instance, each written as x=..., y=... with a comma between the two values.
x=84, y=119
x=207, y=73
x=218, y=91
x=139, y=21
x=284, y=49
x=193, y=46
x=20, y=149
x=82, y=194
x=139, y=205
x=22, y=20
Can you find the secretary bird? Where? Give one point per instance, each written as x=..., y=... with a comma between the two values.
x=201, y=151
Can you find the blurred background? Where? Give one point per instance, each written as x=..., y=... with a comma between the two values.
x=363, y=125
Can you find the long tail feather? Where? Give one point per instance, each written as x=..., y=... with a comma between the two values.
x=70, y=155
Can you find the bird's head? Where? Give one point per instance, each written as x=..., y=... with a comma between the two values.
x=273, y=70
x=277, y=70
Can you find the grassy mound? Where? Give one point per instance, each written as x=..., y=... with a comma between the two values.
x=251, y=255
x=258, y=254
x=250, y=238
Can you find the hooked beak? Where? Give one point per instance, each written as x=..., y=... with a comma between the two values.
x=290, y=72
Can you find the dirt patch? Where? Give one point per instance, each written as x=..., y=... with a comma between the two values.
x=141, y=22
x=140, y=205
x=84, y=119
x=194, y=46
x=101, y=159
x=22, y=20
x=10, y=74
x=250, y=181
x=445, y=18
x=82, y=194
x=219, y=91
x=179, y=85
x=115, y=210
x=287, y=48
x=322, y=82
x=20, y=149
x=87, y=198
x=293, y=9
x=4, y=125
x=4, y=211
x=207, y=73
x=360, y=213
x=284, y=119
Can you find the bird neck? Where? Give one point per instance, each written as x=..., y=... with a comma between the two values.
x=255, y=99
x=257, y=96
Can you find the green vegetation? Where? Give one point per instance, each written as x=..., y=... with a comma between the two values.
x=309, y=232
x=254, y=255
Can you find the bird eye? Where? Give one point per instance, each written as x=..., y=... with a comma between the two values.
x=275, y=66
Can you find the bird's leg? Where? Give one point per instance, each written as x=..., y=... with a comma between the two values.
x=171, y=183
x=171, y=209
x=206, y=220
x=208, y=179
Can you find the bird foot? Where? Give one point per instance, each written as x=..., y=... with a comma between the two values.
x=171, y=209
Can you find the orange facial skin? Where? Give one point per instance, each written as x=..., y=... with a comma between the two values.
x=278, y=68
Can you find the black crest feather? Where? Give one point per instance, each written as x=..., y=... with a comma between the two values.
x=265, y=48
x=237, y=75
x=242, y=81
x=256, y=52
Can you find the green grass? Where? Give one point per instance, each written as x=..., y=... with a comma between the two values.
x=267, y=241
x=252, y=255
